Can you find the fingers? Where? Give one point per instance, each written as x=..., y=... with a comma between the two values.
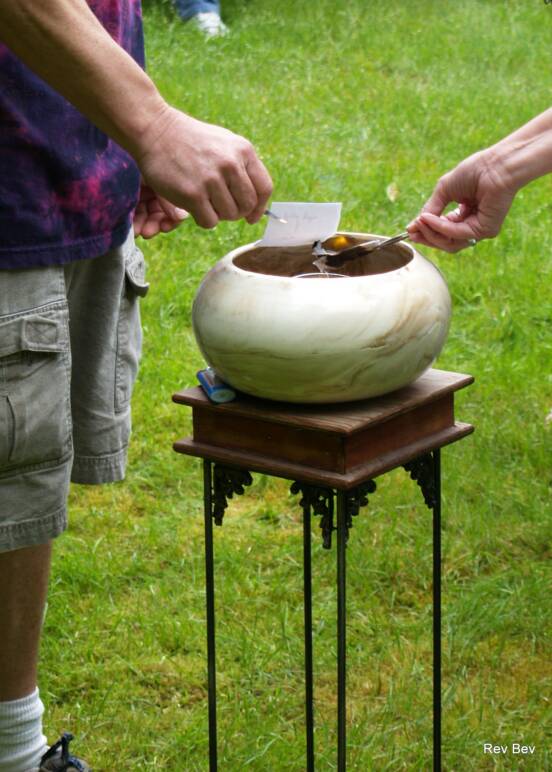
x=435, y=204
x=262, y=184
x=152, y=225
x=413, y=229
x=204, y=213
x=139, y=219
x=173, y=213
x=432, y=238
x=240, y=191
x=452, y=232
x=149, y=226
x=460, y=213
x=155, y=214
x=456, y=185
x=223, y=202
x=243, y=189
x=452, y=229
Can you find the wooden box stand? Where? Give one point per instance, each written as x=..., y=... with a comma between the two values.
x=330, y=452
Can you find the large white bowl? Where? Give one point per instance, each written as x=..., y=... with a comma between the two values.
x=321, y=339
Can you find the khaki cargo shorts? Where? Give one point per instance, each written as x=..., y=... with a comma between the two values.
x=70, y=342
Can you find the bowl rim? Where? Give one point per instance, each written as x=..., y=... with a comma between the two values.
x=228, y=259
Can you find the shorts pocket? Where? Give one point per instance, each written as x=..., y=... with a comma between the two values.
x=129, y=329
x=35, y=418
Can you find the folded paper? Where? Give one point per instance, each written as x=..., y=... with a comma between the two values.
x=305, y=223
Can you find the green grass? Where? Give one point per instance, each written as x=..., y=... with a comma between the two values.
x=341, y=99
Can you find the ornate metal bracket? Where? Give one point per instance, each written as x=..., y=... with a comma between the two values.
x=320, y=501
x=226, y=482
x=422, y=471
x=355, y=499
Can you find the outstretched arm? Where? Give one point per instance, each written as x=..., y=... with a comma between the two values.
x=205, y=169
x=484, y=185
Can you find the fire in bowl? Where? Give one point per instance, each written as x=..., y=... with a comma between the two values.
x=272, y=326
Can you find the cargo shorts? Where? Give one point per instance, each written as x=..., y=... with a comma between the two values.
x=70, y=343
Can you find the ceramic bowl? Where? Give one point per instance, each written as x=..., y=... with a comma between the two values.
x=271, y=326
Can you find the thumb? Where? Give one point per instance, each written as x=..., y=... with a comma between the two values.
x=435, y=204
x=439, y=199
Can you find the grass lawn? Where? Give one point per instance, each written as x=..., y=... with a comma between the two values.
x=342, y=99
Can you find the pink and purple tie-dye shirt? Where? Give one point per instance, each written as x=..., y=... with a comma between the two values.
x=67, y=191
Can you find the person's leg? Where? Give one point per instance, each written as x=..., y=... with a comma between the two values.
x=24, y=582
x=35, y=463
x=189, y=8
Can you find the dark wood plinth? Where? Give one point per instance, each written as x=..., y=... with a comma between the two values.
x=333, y=445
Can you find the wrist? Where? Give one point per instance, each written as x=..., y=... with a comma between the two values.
x=519, y=161
x=143, y=115
x=158, y=126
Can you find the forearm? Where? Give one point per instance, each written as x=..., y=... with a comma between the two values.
x=525, y=154
x=64, y=43
x=207, y=170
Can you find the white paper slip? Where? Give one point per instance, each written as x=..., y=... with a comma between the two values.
x=305, y=223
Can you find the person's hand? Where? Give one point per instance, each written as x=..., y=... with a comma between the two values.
x=484, y=194
x=154, y=214
x=204, y=169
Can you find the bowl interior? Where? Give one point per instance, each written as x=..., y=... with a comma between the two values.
x=293, y=261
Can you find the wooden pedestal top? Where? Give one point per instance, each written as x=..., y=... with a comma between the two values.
x=334, y=445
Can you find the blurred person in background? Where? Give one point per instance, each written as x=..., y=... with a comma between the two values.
x=204, y=14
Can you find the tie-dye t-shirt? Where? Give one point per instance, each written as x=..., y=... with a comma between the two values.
x=67, y=191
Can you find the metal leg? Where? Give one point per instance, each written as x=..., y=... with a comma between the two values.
x=210, y=598
x=426, y=471
x=320, y=501
x=307, y=591
x=437, y=612
x=341, y=632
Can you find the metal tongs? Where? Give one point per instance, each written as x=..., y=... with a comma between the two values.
x=327, y=258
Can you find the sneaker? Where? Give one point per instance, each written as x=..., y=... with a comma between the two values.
x=58, y=759
x=210, y=24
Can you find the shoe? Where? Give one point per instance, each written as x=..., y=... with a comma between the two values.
x=58, y=759
x=210, y=24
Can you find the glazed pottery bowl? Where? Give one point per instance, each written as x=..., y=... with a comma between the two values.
x=270, y=325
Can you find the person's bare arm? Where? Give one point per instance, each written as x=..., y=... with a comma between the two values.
x=484, y=185
x=526, y=154
x=205, y=169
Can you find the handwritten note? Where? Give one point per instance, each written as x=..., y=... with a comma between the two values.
x=305, y=224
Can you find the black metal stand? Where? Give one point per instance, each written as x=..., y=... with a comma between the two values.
x=210, y=602
x=223, y=484
x=436, y=506
x=307, y=605
x=341, y=632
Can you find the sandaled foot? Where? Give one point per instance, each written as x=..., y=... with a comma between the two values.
x=58, y=759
